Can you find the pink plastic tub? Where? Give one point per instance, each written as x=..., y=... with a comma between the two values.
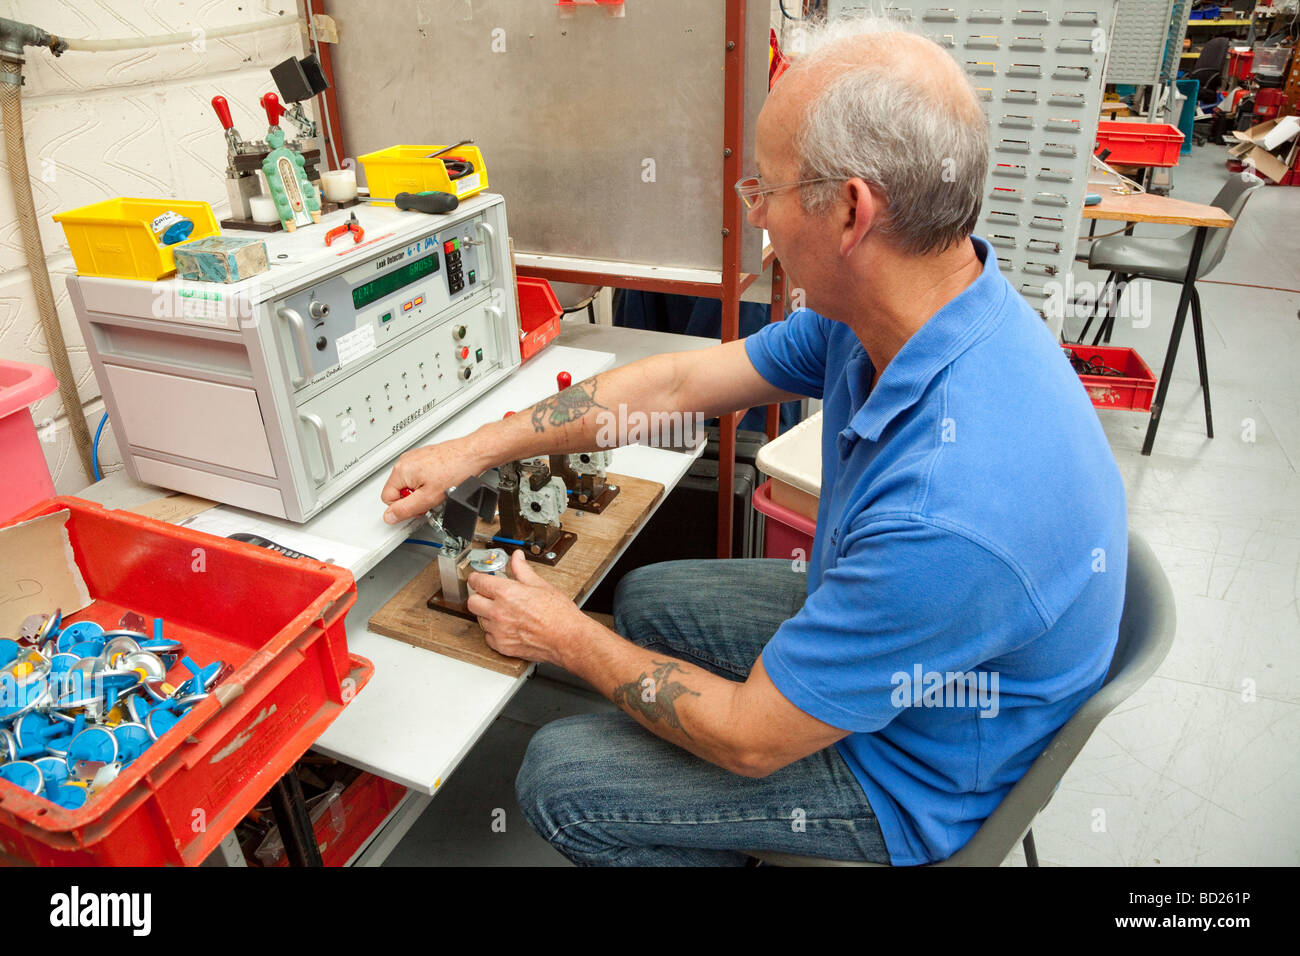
x=24, y=476
x=788, y=534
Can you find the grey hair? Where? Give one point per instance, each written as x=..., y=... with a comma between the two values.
x=928, y=154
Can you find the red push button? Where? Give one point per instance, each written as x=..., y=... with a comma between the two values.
x=449, y=247
x=406, y=307
x=463, y=352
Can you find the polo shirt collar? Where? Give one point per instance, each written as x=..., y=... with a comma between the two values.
x=932, y=348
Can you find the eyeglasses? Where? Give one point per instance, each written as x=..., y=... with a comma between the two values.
x=751, y=189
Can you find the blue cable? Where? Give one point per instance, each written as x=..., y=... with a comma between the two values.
x=434, y=544
x=94, y=449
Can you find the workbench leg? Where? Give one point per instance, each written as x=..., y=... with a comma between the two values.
x=291, y=816
x=1096, y=306
x=1184, y=301
x=1112, y=305
x=1198, y=332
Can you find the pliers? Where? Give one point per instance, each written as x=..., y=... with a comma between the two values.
x=351, y=226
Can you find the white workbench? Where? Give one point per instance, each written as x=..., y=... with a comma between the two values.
x=421, y=712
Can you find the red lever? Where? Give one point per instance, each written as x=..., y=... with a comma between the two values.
x=564, y=380
x=271, y=103
x=223, y=111
x=405, y=492
x=506, y=415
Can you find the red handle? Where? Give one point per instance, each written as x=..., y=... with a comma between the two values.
x=223, y=111
x=506, y=415
x=564, y=380
x=271, y=103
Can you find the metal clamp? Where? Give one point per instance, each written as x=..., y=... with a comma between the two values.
x=299, y=329
x=323, y=438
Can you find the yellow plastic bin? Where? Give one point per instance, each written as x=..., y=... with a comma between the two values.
x=408, y=169
x=115, y=239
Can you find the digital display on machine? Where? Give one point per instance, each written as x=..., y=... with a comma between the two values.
x=389, y=283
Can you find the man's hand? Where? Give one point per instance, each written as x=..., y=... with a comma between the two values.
x=526, y=617
x=428, y=472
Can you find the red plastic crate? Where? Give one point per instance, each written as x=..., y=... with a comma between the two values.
x=1139, y=144
x=279, y=622
x=786, y=533
x=363, y=806
x=1133, y=390
x=540, y=316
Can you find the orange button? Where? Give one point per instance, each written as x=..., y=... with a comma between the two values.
x=419, y=300
x=406, y=307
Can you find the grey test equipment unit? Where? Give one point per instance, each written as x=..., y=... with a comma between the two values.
x=280, y=393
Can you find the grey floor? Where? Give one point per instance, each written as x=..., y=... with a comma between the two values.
x=1199, y=768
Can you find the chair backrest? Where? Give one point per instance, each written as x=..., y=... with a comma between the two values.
x=1146, y=632
x=1212, y=55
x=1208, y=78
x=1232, y=200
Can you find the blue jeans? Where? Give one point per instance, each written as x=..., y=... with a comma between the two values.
x=604, y=790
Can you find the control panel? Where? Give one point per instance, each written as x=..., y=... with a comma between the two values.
x=280, y=393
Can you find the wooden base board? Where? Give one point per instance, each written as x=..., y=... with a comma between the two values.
x=407, y=617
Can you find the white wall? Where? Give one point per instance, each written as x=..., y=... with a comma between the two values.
x=130, y=123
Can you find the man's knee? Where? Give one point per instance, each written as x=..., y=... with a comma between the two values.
x=640, y=598
x=561, y=761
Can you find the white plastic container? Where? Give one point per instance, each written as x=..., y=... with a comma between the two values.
x=794, y=462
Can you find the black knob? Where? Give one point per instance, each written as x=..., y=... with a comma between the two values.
x=321, y=343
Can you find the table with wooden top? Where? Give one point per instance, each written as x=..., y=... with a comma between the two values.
x=1144, y=207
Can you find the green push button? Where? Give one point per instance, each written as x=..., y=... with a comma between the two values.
x=386, y=317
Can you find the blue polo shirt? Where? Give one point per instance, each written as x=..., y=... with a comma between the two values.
x=967, y=577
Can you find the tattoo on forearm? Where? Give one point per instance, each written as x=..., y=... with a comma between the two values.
x=566, y=406
x=654, y=696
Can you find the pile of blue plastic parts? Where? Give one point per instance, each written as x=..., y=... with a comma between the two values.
x=78, y=704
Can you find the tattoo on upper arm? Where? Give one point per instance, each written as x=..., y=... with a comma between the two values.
x=654, y=696
x=566, y=406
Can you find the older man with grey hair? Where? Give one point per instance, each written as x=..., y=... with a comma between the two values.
x=963, y=594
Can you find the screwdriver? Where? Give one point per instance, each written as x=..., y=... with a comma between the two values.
x=433, y=202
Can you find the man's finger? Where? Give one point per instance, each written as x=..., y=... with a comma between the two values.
x=392, y=488
x=489, y=585
x=479, y=606
x=418, y=501
x=522, y=570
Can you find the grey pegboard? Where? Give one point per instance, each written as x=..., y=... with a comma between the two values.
x=1037, y=65
x=1174, y=40
x=1137, y=47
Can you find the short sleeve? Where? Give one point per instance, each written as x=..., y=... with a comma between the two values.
x=905, y=594
x=792, y=354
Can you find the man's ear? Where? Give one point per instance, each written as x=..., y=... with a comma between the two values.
x=862, y=207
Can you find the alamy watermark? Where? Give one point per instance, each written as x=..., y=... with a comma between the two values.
x=922, y=688
x=621, y=426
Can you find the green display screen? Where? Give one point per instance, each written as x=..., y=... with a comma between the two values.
x=389, y=283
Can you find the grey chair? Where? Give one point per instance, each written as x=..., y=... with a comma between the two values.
x=1127, y=257
x=1146, y=632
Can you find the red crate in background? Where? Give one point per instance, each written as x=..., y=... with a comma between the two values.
x=348, y=823
x=1134, y=389
x=278, y=621
x=1139, y=144
x=540, y=316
